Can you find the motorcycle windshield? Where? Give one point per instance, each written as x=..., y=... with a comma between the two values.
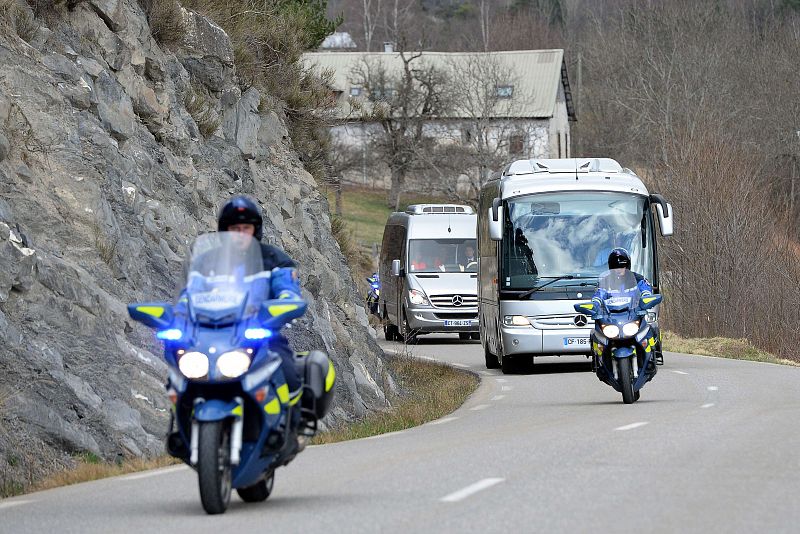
x=225, y=280
x=622, y=291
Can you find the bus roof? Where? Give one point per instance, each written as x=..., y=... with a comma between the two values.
x=525, y=177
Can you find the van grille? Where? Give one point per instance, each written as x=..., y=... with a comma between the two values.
x=450, y=301
x=446, y=316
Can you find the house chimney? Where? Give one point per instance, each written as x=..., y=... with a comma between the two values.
x=388, y=47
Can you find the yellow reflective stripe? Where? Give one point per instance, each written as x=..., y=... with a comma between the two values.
x=273, y=407
x=155, y=311
x=647, y=349
x=652, y=342
x=330, y=377
x=296, y=398
x=283, y=393
x=587, y=306
x=280, y=309
x=237, y=411
x=648, y=300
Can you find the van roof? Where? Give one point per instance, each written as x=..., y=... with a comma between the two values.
x=530, y=176
x=431, y=209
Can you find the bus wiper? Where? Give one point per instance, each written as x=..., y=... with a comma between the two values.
x=555, y=279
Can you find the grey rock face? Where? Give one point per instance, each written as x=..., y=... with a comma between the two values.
x=98, y=208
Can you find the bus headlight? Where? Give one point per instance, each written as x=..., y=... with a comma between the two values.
x=233, y=364
x=417, y=297
x=193, y=365
x=630, y=329
x=611, y=330
x=516, y=320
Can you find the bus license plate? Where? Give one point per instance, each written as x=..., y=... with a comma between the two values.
x=458, y=323
x=576, y=341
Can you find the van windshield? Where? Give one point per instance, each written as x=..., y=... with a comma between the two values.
x=442, y=256
x=571, y=234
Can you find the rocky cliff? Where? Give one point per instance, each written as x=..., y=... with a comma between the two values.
x=114, y=154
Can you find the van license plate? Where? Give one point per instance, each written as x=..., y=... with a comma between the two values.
x=458, y=323
x=576, y=341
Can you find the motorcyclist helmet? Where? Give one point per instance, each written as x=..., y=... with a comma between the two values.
x=241, y=210
x=619, y=259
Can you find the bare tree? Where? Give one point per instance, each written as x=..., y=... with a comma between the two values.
x=371, y=14
x=402, y=102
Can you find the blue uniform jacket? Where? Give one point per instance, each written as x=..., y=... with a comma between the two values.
x=645, y=290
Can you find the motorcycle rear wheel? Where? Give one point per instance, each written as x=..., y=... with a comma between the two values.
x=258, y=492
x=214, y=466
x=626, y=380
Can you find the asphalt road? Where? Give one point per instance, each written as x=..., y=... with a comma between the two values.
x=712, y=446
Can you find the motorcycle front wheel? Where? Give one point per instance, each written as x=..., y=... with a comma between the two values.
x=626, y=380
x=214, y=466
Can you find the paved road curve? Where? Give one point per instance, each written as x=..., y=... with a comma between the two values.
x=711, y=446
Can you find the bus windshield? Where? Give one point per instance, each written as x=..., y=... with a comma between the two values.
x=570, y=234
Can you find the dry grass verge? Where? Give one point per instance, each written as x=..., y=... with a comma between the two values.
x=90, y=467
x=722, y=347
x=432, y=390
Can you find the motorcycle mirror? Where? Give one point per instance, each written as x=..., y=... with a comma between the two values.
x=158, y=315
x=651, y=301
x=586, y=308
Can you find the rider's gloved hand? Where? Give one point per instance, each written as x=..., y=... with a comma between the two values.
x=288, y=295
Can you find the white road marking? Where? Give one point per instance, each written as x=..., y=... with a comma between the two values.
x=498, y=397
x=708, y=405
x=501, y=379
x=15, y=503
x=443, y=421
x=155, y=473
x=479, y=407
x=631, y=426
x=506, y=388
x=472, y=489
x=461, y=365
x=678, y=372
x=713, y=388
x=386, y=435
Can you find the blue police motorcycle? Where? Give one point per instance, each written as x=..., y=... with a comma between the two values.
x=373, y=294
x=232, y=410
x=623, y=341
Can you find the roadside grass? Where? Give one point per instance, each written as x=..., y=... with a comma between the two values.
x=432, y=390
x=365, y=211
x=722, y=347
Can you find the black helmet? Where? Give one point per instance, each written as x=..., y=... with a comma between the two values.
x=619, y=259
x=240, y=210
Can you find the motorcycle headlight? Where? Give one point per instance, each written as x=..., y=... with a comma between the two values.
x=516, y=320
x=611, y=330
x=193, y=365
x=417, y=297
x=630, y=329
x=234, y=363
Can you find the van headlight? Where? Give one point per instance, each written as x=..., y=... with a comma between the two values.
x=233, y=364
x=417, y=297
x=193, y=365
x=630, y=329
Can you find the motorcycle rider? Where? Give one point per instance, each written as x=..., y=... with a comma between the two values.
x=241, y=214
x=620, y=261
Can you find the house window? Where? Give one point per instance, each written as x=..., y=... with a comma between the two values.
x=504, y=91
x=516, y=144
x=355, y=91
x=381, y=93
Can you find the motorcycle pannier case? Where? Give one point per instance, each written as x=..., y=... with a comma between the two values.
x=319, y=377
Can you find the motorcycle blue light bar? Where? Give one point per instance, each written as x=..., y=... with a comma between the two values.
x=172, y=334
x=257, y=333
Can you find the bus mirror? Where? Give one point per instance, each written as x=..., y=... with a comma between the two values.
x=395, y=267
x=496, y=223
x=495, y=214
x=665, y=220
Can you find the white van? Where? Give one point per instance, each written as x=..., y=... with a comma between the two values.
x=429, y=272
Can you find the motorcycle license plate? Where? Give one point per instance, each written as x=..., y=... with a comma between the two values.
x=576, y=341
x=458, y=323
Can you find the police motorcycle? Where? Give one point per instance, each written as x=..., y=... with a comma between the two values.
x=231, y=407
x=374, y=293
x=623, y=342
